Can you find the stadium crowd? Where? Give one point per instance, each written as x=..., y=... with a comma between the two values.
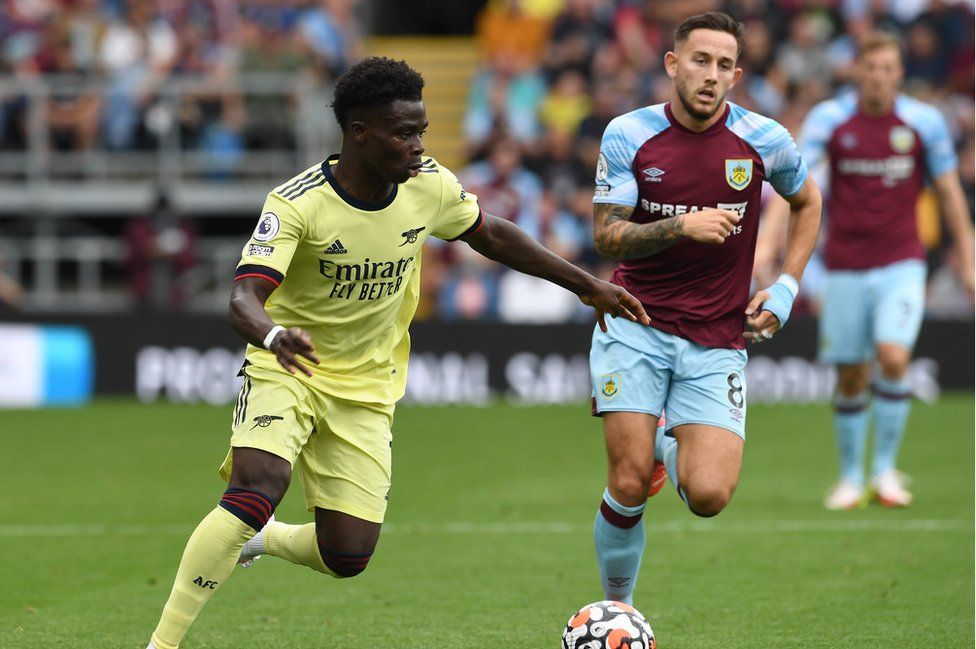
x=131, y=47
x=551, y=82
x=552, y=75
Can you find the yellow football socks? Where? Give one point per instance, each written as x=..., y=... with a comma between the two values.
x=209, y=558
x=295, y=543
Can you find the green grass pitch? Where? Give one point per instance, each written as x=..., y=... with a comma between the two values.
x=489, y=537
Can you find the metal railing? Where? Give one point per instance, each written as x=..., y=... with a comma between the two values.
x=49, y=196
x=169, y=158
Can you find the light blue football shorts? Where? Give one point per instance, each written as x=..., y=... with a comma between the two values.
x=864, y=307
x=634, y=368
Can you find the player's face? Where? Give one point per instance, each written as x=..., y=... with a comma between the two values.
x=703, y=71
x=879, y=75
x=392, y=140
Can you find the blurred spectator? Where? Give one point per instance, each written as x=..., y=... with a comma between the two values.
x=137, y=52
x=267, y=48
x=469, y=292
x=159, y=255
x=211, y=112
x=566, y=104
x=925, y=59
x=904, y=11
x=505, y=31
x=763, y=86
x=72, y=108
x=559, y=167
x=504, y=187
x=568, y=228
x=804, y=55
x=331, y=32
x=842, y=50
x=578, y=32
x=607, y=104
x=640, y=37
x=769, y=12
x=507, y=92
x=503, y=96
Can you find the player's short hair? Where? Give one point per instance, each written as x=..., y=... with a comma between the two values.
x=878, y=40
x=715, y=20
x=375, y=82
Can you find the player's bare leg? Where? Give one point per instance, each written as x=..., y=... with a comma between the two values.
x=629, y=437
x=851, y=428
x=709, y=459
x=258, y=482
x=617, y=532
x=892, y=402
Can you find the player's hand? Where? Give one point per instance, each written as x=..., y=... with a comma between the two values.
x=610, y=298
x=291, y=343
x=710, y=225
x=760, y=325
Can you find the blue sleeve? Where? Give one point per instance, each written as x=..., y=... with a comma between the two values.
x=815, y=133
x=940, y=153
x=615, y=181
x=785, y=169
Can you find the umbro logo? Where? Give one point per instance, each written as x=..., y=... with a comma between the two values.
x=618, y=582
x=653, y=174
x=410, y=236
x=336, y=249
x=264, y=421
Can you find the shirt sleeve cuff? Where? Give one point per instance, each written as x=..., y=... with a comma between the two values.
x=253, y=270
x=478, y=223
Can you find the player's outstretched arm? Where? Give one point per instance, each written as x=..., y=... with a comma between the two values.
x=616, y=237
x=507, y=244
x=769, y=309
x=249, y=319
x=953, y=202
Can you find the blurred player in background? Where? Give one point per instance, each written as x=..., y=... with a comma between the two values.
x=881, y=147
x=677, y=203
x=324, y=294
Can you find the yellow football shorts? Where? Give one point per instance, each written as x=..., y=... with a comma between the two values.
x=342, y=448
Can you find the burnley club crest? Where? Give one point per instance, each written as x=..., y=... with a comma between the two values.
x=738, y=173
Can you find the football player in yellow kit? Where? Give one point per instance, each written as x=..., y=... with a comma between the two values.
x=324, y=295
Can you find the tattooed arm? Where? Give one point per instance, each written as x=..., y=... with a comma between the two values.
x=616, y=237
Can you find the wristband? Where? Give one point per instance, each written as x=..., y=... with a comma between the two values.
x=271, y=335
x=781, y=296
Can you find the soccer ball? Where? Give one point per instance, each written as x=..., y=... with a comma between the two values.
x=608, y=625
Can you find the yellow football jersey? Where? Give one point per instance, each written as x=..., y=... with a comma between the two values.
x=348, y=271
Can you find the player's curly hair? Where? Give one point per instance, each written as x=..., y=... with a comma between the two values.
x=375, y=82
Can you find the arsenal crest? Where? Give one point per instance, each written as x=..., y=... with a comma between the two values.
x=738, y=173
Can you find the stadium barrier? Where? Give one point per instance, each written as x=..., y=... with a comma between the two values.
x=195, y=358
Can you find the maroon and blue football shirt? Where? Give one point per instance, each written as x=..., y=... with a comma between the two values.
x=698, y=291
x=877, y=168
